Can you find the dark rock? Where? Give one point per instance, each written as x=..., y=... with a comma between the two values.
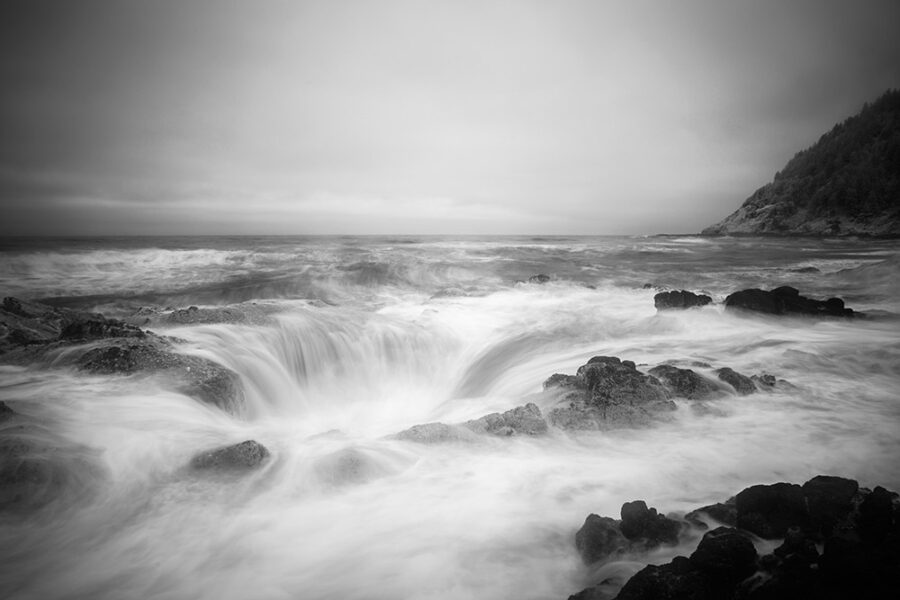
x=599, y=538
x=785, y=300
x=95, y=327
x=725, y=556
x=798, y=546
x=640, y=523
x=558, y=380
x=806, y=270
x=742, y=384
x=608, y=393
x=540, y=278
x=192, y=375
x=686, y=383
x=239, y=313
x=611, y=380
x=876, y=515
x=678, y=580
x=769, y=510
x=5, y=411
x=723, y=512
x=679, y=299
x=829, y=500
x=525, y=420
x=246, y=455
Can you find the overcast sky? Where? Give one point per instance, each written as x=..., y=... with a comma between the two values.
x=584, y=117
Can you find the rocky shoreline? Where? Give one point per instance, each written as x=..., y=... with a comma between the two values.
x=837, y=540
x=833, y=534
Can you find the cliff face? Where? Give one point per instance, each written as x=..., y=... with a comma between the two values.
x=847, y=183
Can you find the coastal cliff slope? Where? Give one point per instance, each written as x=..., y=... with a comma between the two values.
x=847, y=183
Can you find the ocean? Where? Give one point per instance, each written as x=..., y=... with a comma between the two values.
x=353, y=339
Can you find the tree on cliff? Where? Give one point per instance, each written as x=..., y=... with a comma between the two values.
x=846, y=183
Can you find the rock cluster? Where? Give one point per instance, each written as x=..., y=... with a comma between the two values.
x=679, y=299
x=786, y=300
x=36, y=332
x=522, y=420
x=857, y=529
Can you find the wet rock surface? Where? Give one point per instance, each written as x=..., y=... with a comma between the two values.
x=246, y=455
x=742, y=384
x=786, y=300
x=857, y=530
x=607, y=393
x=34, y=332
x=686, y=383
x=679, y=299
x=522, y=420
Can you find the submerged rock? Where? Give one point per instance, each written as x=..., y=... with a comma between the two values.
x=540, y=278
x=522, y=420
x=686, y=383
x=5, y=411
x=246, y=455
x=639, y=530
x=786, y=300
x=676, y=299
x=38, y=469
x=435, y=433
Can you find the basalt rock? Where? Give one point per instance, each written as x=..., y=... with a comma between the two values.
x=645, y=525
x=607, y=393
x=679, y=299
x=5, y=411
x=540, y=278
x=435, y=433
x=769, y=510
x=686, y=383
x=858, y=529
x=244, y=456
x=192, y=375
x=599, y=538
x=786, y=300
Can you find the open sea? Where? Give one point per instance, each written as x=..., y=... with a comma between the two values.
x=362, y=337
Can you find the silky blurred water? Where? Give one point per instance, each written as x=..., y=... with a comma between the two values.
x=365, y=337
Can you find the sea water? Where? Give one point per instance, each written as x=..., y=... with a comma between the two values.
x=363, y=337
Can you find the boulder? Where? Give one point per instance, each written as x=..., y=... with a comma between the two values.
x=769, y=510
x=5, y=411
x=742, y=384
x=722, y=512
x=678, y=580
x=725, y=556
x=829, y=501
x=645, y=525
x=523, y=420
x=599, y=538
x=244, y=456
x=679, y=300
x=786, y=300
x=686, y=383
x=194, y=376
x=540, y=278
x=607, y=393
